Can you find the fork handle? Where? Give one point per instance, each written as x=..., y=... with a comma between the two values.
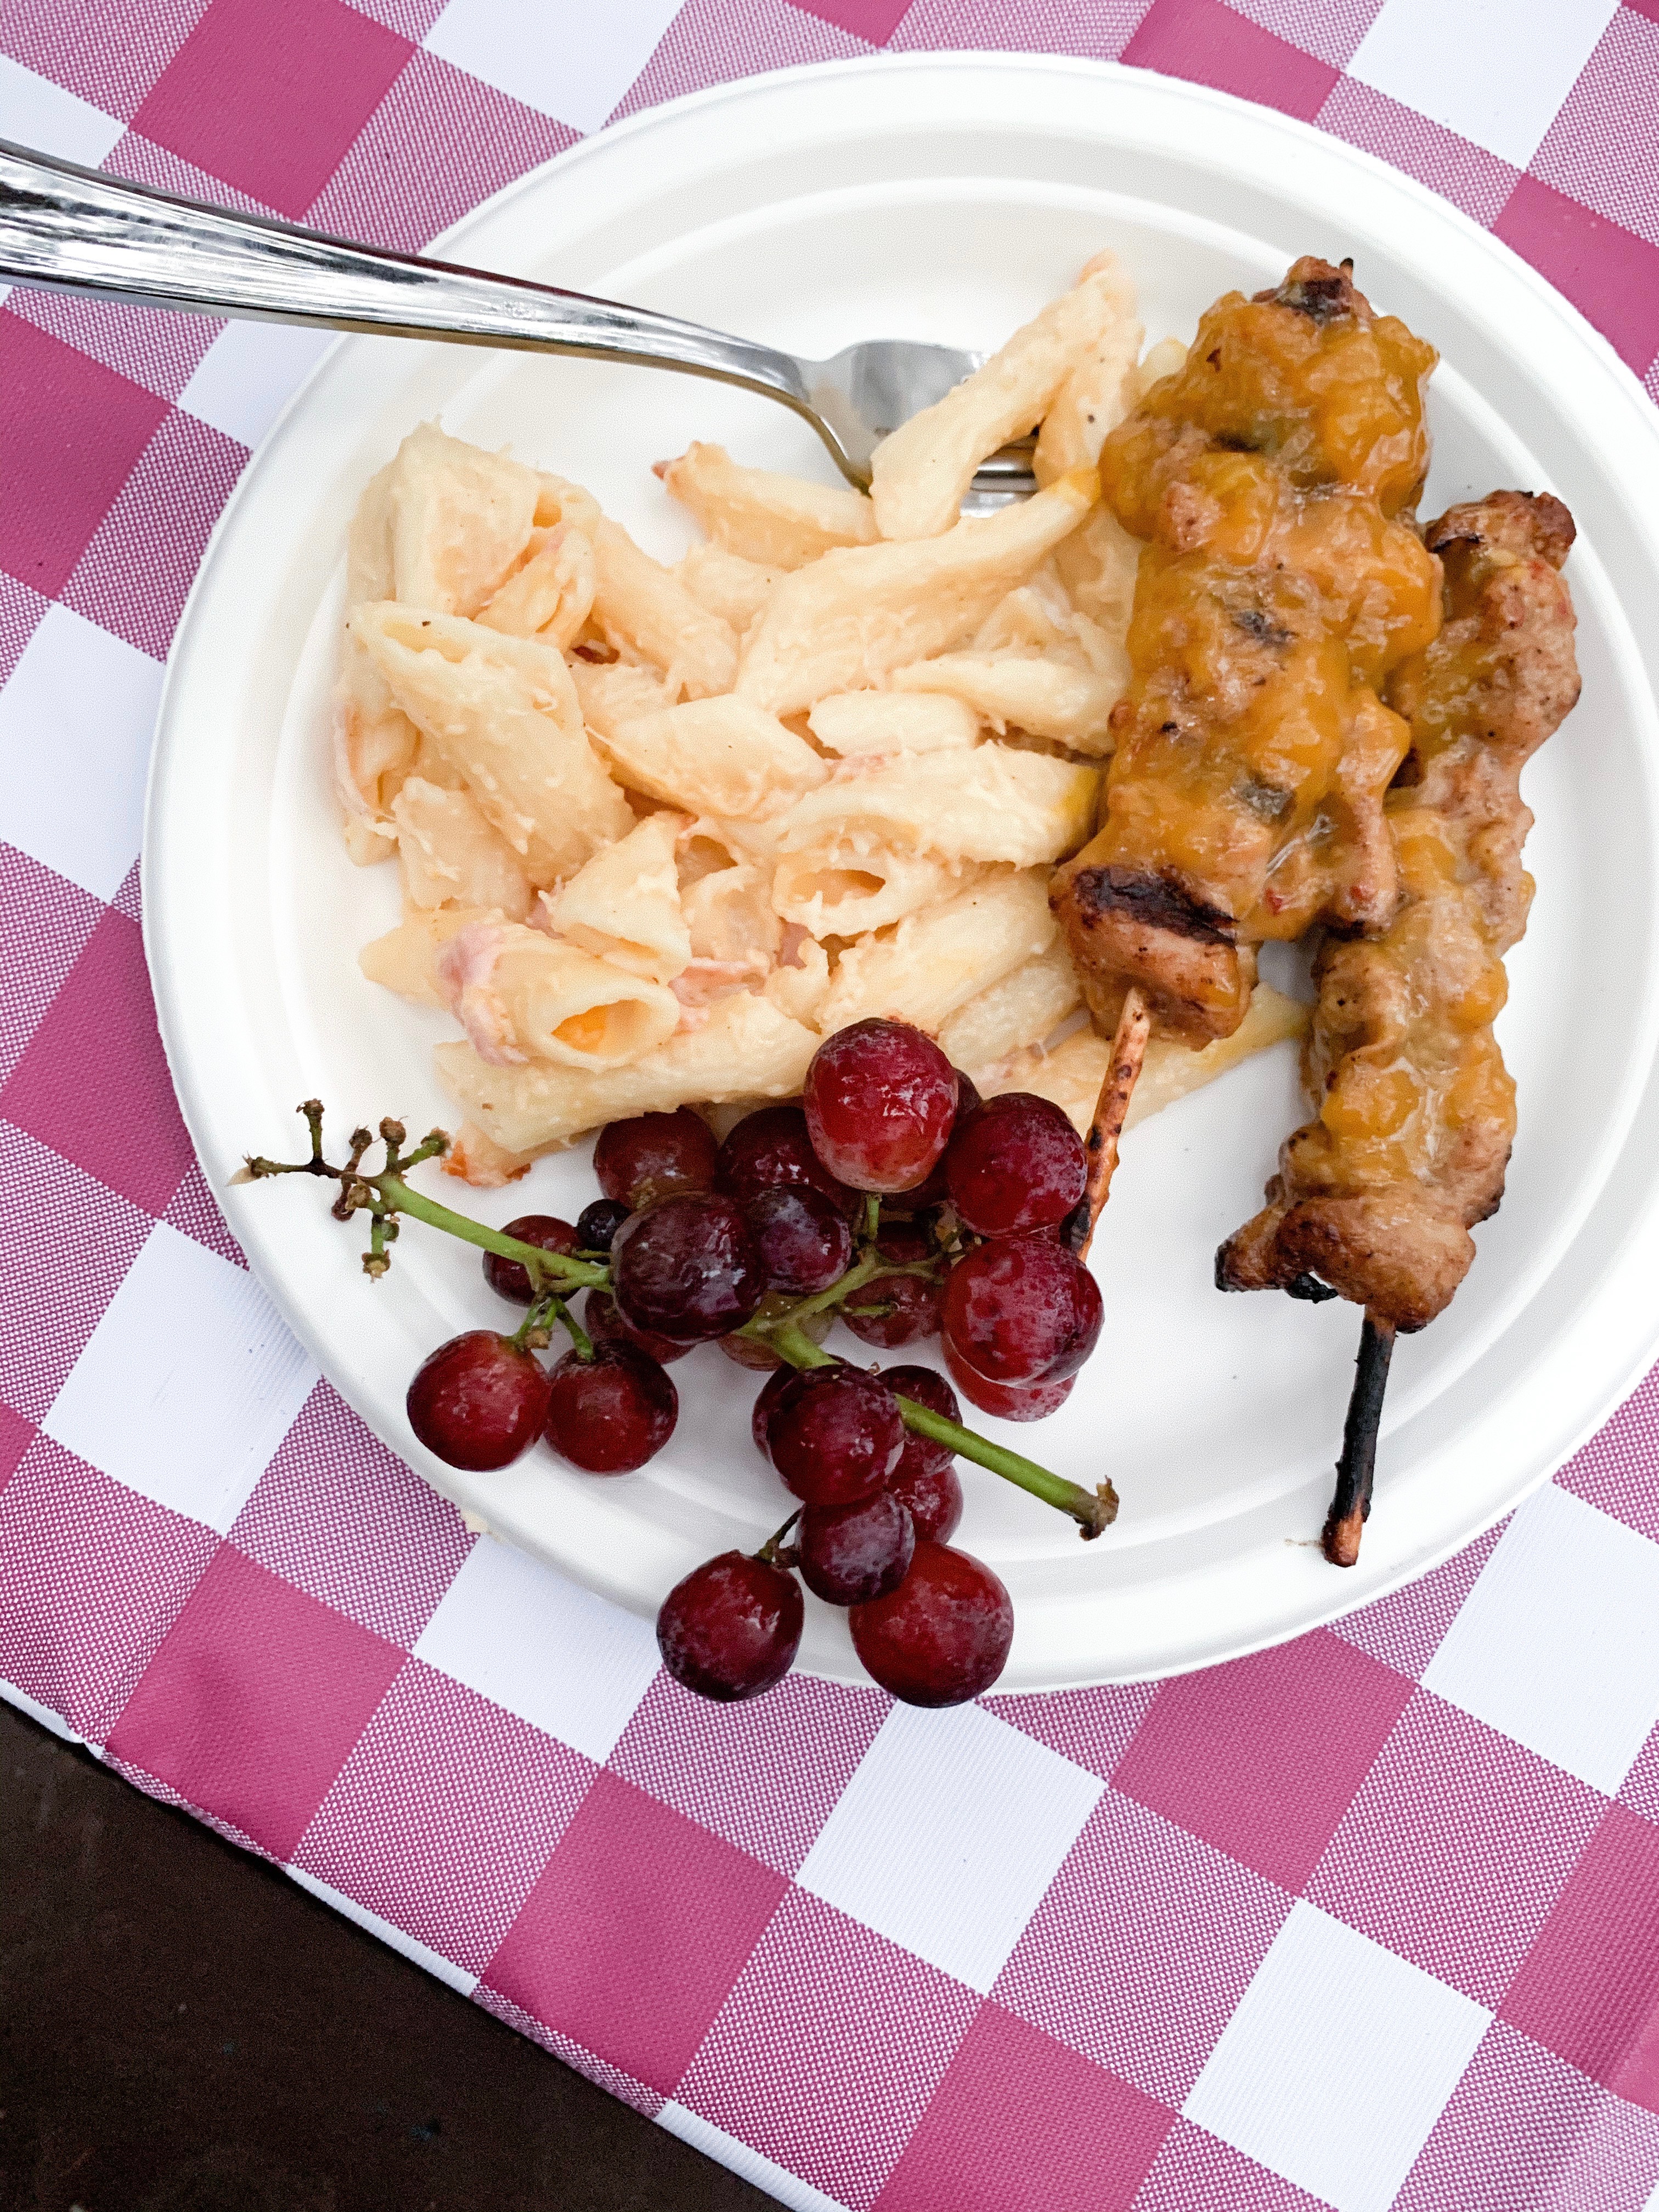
x=72, y=229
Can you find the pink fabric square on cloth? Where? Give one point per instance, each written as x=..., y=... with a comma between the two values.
x=1020, y=2123
x=270, y=98
x=1247, y=1757
x=611, y=1951
x=252, y=1703
x=828, y=2049
x=1607, y=271
x=1211, y=43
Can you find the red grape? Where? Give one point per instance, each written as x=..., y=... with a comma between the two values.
x=851, y=1554
x=510, y=1279
x=771, y=1149
x=935, y=1190
x=478, y=1402
x=805, y=1242
x=606, y=1326
x=1022, y=1309
x=596, y=1224
x=771, y=1390
x=731, y=1628
x=1017, y=1164
x=910, y=1303
x=650, y=1154
x=834, y=1434
x=687, y=1268
x=879, y=1099
x=610, y=1413
x=1034, y=1403
x=943, y=1634
x=926, y=1480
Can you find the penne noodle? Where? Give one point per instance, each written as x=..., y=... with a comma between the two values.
x=798, y=986
x=375, y=743
x=921, y=474
x=459, y=519
x=850, y=882
x=1100, y=388
x=714, y=756
x=726, y=584
x=1027, y=1006
x=1072, y=1074
x=612, y=692
x=879, y=722
x=1026, y=691
x=405, y=960
x=624, y=905
x=743, y=1048
x=557, y=500
x=451, y=856
x=502, y=712
x=639, y=604
x=551, y=594
x=522, y=995
x=854, y=617
x=929, y=964
x=777, y=521
x=994, y=804
x=732, y=919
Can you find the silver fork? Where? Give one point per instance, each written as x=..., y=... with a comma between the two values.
x=72, y=229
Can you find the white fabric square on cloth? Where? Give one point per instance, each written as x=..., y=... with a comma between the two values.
x=35, y=112
x=554, y=1654
x=77, y=718
x=949, y=1832
x=1496, y=71
x=188, y=1383
x=572, y=60
x=246, y=376
x=1556, y=1644
x=1337, y=2063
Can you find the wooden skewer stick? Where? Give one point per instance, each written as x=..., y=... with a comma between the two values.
x=1129, y=1051
x=1351, y=1504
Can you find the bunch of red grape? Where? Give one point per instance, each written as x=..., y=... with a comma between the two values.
x=892, y=1196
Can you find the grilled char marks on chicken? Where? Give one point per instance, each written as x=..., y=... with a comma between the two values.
x=1376, y=1196
x=1276, y=593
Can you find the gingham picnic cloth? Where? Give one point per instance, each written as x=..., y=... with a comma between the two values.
x=1371, y=1920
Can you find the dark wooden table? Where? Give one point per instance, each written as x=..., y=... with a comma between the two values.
x=183, y=2029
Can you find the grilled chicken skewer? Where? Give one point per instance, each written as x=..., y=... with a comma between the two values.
x=1375, y=1197
x=1276, y=592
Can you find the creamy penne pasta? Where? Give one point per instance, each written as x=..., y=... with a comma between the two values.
x=613, y=692
x=850, y=882
x=930, y=964
x=502, y=711
x=779, y=521
x=728, y=585
x=744, y=1048
x=458, y=519
x=520, y=994
x=878, y=722
x=855, y=614
x=624, y=905
x=995, y=802
x=405, y=960
x=1025, y=1006
x=733, y=923
x=921, y=474
x=1026, y=691
x=551, y=594
x=453, y=857
x=714, y=756
x=638, y=602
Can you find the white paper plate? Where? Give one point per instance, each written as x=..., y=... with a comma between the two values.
x=947, y=198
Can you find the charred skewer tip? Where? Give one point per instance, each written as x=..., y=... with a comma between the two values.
x=1351, y=1503
x=1122, y=1073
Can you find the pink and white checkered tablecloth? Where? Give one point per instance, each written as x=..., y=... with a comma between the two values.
x=1370, y=1921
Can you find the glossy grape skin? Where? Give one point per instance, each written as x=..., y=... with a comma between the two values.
x=510, y=1279
x=852, y=1553
x=772, y=1150
x=936, y=1190
x=1017, y=1164
x=648, y=1155
x=687, y=1268
x=1022, y=1309
x=942, y=1636
x=925, y=1480
x=477, y=1401
x=609, y=1414
x=913, y=1301
x=834, y=1434
x=805, y=1242
x=879, y=1099
x=1034, y=1403
x=606, y=1326
x=771, y=1390
x=596, y=1224
x=731, y=1629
